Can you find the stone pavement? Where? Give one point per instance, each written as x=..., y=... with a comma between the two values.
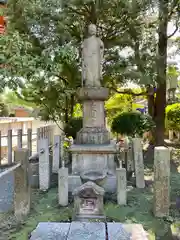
x=88, y=231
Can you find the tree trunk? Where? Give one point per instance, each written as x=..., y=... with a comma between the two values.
x=72, y=105
x=66, y=110
x=160, y=100
x=150, y=99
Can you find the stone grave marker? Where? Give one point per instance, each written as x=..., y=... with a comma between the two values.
x=88, y=202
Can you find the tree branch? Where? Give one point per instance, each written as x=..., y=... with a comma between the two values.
x=175, y=4
x=176, y=29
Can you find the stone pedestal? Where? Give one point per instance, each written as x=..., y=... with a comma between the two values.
x=93, y=149
x=94, y=126
x=93, y=157
x=161, y=181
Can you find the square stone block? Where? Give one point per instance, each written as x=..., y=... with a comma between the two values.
x=87, y=231
x=116, y=231
x=50, y=231
x=92, y=157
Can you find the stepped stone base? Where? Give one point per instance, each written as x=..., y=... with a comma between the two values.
x=93, y=157
x=88, y=230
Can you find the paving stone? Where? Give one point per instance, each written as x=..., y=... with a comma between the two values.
x=87, y=231
x=50, y=231
x=116, y=231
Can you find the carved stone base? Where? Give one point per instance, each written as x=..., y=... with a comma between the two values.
x=95, y=135
x=93, y=157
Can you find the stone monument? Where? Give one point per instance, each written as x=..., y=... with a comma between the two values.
x=93, y=149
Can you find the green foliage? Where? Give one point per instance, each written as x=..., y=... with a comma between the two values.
x=119, y=103
x=42, y=45
x=132, y=124
x=4, y=111
x=72, y=127
x=173, y=117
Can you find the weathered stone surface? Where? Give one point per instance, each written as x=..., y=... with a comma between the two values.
x=6, y=191
x=88, y=201
x=111, y=164
x=57, y=153
x=116, y=231
x=86, y=157
x=74, y=181
x=22, y=189
x=137, y=231
x=63, y=186
x=93, y=93
x=87, y=231
x=44, y=165
x=109, y=186
x=161, y=181
x=50, y=231
x=93, y=114
x=121, y=186
x=93, y=135
x=92, y=58
x=138, y=162
x=130, y=158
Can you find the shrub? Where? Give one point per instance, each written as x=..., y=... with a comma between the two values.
x=173, y=117
x=132, y=124
x=73, y=126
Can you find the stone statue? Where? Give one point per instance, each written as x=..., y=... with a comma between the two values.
x=92, y=59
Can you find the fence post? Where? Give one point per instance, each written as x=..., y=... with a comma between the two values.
x=19, y=138
x=38, y=139
x=0, y=148
x=62, y=149
x=44, y=164
x=22, y=189
x=9, y=146
x=56, y=153
x=29, y=141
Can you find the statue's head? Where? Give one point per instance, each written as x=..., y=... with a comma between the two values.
x=92, y=29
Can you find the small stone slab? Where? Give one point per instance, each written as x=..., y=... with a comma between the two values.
x=50, y=231
x=87, y=231
x=116, y=231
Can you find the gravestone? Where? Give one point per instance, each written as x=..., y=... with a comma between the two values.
x=121, y=186
x=63, y=186
x=88, y=202
x=161, y=181
x=138, y=162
